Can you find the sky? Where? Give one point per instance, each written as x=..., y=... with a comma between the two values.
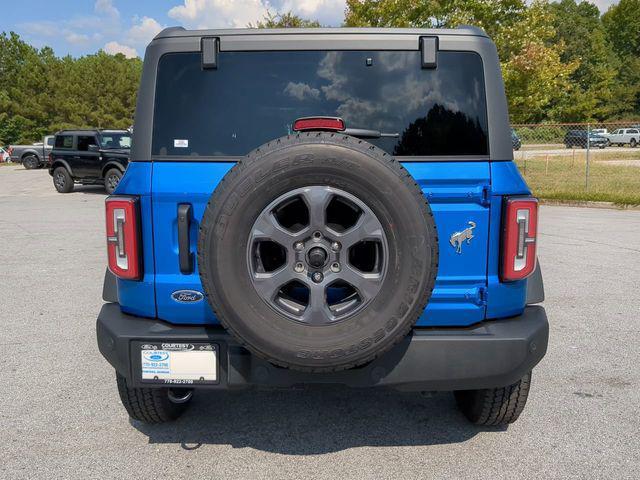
x=78, y=27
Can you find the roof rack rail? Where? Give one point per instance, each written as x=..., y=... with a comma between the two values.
x=473, y=28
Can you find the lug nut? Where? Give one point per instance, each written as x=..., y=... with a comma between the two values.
x=298, y=246
x=299, y=267
x=335, y=267
x=335, y=246
x=317, y=277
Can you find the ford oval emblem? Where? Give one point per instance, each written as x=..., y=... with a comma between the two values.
x=187, y=296
x=156, y=356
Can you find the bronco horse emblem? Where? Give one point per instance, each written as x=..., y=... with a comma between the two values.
x=458, y=238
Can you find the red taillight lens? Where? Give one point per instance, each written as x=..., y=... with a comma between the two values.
x=123, y=237
x=50, y=157
x=519, y=229
x=318, y=123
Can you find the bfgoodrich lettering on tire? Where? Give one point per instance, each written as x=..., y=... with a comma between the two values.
x=318, y=251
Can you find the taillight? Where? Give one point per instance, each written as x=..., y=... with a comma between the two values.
x=50, y=157
x=123, y=237
x=519, y=230
x=10, y=150
x=318, y=123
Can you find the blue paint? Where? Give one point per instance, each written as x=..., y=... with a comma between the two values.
x=467, y=288
x=138, y=297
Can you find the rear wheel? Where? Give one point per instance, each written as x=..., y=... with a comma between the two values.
x=153, y=405
x=111, y=180
x=633, y=143
x=62, y=180
x=495, y=406
x=30, y=162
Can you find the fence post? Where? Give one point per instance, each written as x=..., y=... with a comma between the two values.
x=586, y=177
x=546, y=167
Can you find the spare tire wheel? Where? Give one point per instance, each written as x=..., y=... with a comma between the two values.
x=318, y=252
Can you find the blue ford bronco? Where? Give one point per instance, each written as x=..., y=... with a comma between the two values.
x=330, y=206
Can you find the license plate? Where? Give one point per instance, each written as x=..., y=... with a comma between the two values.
x=179, y=363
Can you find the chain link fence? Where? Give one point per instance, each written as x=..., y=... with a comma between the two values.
x=580, y=161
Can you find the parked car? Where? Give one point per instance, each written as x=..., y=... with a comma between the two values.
x=578, y=138
x=625, y=136
x=89, y=157
x=259, y=239
x=515, y=140
x=4, y=155
x=34, y=155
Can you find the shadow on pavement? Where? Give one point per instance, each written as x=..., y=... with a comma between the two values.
x=90, y=189
x=315, y=420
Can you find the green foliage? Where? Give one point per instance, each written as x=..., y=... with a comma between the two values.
x=285, y=20
x=41, y=93
x=560, y=61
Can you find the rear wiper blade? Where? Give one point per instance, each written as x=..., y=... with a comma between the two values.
x=365, y=133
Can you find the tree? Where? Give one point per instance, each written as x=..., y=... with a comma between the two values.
x=579, y=29
x=535, y=76
x=41, y=93
x=622, y=26
x=285, y=20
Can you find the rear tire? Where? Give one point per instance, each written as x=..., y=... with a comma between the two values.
x=111, y=180
x=153, y=405
x=495, y=406
x=62, y=180
x=633, y=143
x=30, y=163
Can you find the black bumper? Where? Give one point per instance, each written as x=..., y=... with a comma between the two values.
x=490, y=354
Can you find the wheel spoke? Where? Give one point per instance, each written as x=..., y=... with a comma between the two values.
x=317, y=200
x=268, y=228
x=268, y=284
x=317, y=311
x=366, y=284
x=368, y=227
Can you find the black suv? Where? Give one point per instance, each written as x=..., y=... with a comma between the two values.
x=89, y=157
x=578, y=138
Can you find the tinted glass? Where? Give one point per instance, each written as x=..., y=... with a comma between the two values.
x=64, y=141
x=115, y=140
x=84, y=141
x=254, y=97
x=50, y=141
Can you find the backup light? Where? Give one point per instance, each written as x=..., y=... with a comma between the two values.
x=519, y=230
x=123, y=237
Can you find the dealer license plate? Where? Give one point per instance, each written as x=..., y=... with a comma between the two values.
x=179, y=363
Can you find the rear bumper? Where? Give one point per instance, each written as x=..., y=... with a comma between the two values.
x=490, y=354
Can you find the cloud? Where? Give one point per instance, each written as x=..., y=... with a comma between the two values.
x=240, y=13
x=301, y=90
x=106, y=7
x=76, y=38
x=219, y=13
x=114, y=47
x=327, y=12
x=143, y=32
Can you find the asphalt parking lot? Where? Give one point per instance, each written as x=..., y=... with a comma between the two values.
x=60, y=416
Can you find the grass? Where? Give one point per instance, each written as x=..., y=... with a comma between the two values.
x=564, y=178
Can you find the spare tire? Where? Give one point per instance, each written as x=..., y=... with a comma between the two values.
x=318, y=252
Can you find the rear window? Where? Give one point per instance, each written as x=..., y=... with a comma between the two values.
x=254, y=97
x=64, y=141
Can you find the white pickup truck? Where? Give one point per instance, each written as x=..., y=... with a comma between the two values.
x=624, y=136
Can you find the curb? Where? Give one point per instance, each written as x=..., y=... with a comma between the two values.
x=588, y=204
